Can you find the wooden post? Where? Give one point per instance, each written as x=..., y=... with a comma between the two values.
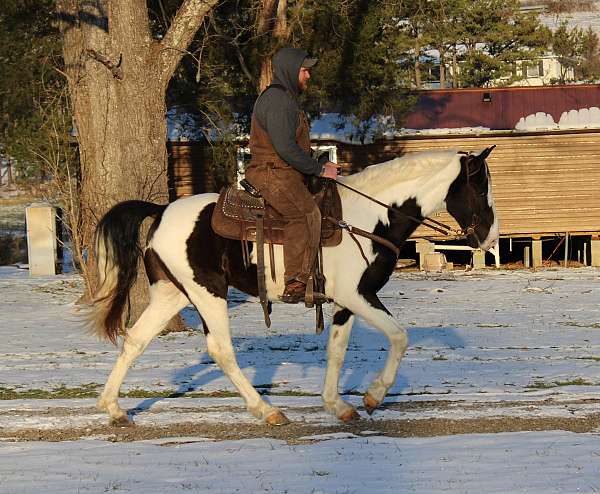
x=41, y=239
x=595, y=251
x=536, y=252
x=526, y=257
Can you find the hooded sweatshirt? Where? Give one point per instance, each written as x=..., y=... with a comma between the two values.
x=278, y=111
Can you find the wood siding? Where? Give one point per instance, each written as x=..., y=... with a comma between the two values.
x=543, y=183
x=189, y=169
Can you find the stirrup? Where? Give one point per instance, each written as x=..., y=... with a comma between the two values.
x=312, y=297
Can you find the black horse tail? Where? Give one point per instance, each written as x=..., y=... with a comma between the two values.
x=117, y=252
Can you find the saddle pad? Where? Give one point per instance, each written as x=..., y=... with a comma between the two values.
x=234, y=217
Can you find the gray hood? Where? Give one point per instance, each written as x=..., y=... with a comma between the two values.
x=286, y=67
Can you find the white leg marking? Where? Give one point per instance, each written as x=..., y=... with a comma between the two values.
x=398, y=344
x=339, y=334
x=214, y=312
x=166, y=300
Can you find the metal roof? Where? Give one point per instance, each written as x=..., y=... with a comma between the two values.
x=457, y=108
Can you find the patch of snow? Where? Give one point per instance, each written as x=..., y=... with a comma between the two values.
x=533, y=462
x=572, y=119
x=454, y=130
x=482, y=344
x=536, y=121
x=346, y=129
x=581, y=20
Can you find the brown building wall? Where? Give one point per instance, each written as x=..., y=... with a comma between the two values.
x=543, y=183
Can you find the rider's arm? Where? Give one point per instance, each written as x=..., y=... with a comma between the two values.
x=280, y=119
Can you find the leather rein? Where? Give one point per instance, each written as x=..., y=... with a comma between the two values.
x=446, y=230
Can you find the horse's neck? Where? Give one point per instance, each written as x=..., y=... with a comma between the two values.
x=421, y=186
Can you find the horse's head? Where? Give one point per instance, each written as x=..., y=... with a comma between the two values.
x=470, y=201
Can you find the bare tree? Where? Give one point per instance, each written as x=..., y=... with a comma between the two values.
x=567, y=6
x=118, y=75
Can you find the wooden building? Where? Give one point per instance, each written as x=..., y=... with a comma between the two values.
x=545, y=181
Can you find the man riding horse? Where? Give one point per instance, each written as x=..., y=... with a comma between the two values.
x=280, y=147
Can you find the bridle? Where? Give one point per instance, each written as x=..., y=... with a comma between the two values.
x=446, y=230
x=438, y=226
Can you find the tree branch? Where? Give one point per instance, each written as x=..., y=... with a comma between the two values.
x=188, y=19
x=115, y=69
x=265, y=16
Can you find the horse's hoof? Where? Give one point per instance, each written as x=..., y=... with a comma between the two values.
x=349, y=416
x=122, y=422
x=277, y=418
x=370, y=403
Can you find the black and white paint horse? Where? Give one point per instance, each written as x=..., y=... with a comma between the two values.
x=187, y=262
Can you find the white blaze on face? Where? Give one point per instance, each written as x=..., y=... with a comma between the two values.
x=494, y=232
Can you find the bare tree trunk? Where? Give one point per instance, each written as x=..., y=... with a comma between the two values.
x=272, y=19
x=454, y=70
x=442, y=72
x=266, y=73
x=118, y=77
x=417, y=65
x=9, y=175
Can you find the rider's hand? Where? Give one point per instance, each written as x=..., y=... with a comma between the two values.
x=330, y=170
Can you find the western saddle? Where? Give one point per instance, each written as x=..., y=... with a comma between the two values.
x=244, y=215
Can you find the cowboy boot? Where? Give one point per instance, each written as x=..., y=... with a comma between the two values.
x=294, y=292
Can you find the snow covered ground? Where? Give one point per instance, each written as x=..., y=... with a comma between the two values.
x=513, y=352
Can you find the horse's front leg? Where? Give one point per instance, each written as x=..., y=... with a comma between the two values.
x=374, y=312
x=337, y=345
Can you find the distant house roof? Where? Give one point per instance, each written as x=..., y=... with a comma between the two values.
x=460, y=108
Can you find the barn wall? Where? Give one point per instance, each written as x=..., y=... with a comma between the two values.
x=189, y=169
x=543, y=183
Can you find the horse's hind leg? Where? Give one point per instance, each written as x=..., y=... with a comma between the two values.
x=337, y=345
x=166, y=300
x=218, y=338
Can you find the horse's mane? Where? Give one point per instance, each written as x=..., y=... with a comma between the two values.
x=412, y=167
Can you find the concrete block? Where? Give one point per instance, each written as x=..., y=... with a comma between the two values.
x=478, y=259
x=41, y=239
x=424, y=247
x=435, y=262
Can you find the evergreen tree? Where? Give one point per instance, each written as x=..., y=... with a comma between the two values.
x=495, y=35
x=567, y=46
x=362, y=69
x=588, y=69
x=33, y=105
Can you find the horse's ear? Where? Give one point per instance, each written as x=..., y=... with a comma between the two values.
x=486, y=152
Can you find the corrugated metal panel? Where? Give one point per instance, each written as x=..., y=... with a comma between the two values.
x=455, y=108
x=542, y=183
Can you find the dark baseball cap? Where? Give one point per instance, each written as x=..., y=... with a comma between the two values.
x=309, y=62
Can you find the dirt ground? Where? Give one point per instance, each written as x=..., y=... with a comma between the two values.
x=297, y=432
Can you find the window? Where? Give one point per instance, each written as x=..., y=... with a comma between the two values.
x=533, y=69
